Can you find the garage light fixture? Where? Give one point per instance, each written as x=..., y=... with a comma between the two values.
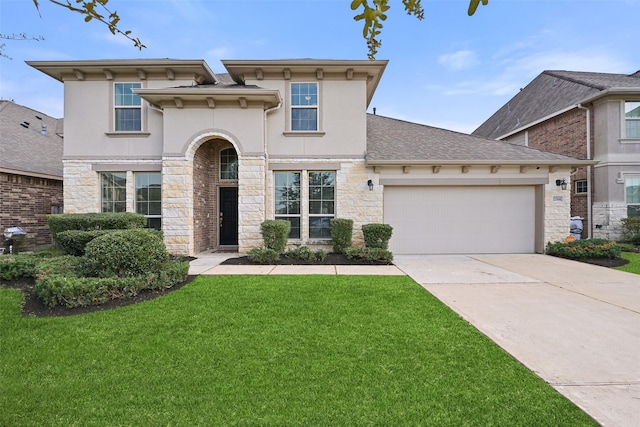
x=370, y=184
x=561, y=183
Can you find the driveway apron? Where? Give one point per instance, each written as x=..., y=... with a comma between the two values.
x=575, y=325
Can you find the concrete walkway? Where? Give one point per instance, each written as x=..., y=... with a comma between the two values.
x=575, y=325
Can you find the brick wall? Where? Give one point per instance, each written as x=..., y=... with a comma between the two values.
x=25, y=202
x=566, y=134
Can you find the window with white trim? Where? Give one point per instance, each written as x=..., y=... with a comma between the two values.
x=632, y=195
x=304, y=106
x=287, y=200
x=581, y=186
x=632, y=119
x=113, y=191
x=128, y=108
x=149, y=197
x=322, y=203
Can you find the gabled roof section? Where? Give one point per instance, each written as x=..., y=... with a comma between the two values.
x=30, y=142
x=171, y=69
x=396, y=142
x=283, y=69
x=552, y=93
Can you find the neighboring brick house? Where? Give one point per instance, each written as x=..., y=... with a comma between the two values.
x=30, y=172
x=208, y=157
x=588, y=116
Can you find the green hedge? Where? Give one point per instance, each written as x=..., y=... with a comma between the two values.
x=94, y=221
x=305, y=253
x=73, y=242
x=275, y=233
x=370, y=254
x=14, y=267
x=71, y=291
x=630, y=228
x=341, y=234
x=125, y=253
x=263, y=255
x=588, y=248
x=377, y=235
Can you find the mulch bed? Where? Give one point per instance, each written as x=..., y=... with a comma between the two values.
x=33, y=307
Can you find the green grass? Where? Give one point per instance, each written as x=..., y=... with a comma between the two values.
x=634, y=263
x=268, y=350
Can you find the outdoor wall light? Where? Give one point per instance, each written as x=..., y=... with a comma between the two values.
x=561, y=183
x=370, y=184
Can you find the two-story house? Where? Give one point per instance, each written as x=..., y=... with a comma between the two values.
x=30, y=173
x=208, y=157
x=588, y=116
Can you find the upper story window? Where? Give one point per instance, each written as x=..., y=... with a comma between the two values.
x=632, y=119
x=113, y=188
x=128, y=108
x=228, y=164
x=304, y=106
x=632, y=195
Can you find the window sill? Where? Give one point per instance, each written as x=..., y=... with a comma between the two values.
x=630, y=141
x=304, y=133
x=127, y=134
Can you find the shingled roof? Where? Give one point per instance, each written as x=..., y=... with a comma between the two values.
x=391, y=141
x=25, y=147
x=550, y=93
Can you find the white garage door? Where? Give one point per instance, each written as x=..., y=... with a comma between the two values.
x=461, y=220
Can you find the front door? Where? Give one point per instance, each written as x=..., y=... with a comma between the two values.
x=228, y=216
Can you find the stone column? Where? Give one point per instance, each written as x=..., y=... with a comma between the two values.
x=177, y=205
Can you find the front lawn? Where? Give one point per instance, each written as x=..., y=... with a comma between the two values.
x=268, y=350
x=634, y=262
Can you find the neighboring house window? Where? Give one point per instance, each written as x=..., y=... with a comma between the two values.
x=128, y=108
x=228, y=164
x=632, y=119
x=287, y=200
x=149, y=197
x=304, y=106
x=581, y=186
x=321, y=204
x=632, y=195
x=114, y=192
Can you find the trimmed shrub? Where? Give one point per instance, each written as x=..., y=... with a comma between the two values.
x=630, y=228
x=94, y=221
x=73, y=242
x=377, y=235
x=263, y=255
x=341, y=234
x=125, y=253
x=14, y=267
x=275, y=233
x=305, y=253
x=373, y=255
x=636, y=239
x=72, y=291
x=588, y=248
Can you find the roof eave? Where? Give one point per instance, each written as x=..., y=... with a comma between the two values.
x=435, y=162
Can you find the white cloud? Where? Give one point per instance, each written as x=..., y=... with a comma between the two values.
x=460, y=60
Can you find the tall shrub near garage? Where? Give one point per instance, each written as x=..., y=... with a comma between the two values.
x=377, y=235
x=341, y=234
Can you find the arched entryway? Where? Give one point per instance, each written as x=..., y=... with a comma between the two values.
x=215, y=196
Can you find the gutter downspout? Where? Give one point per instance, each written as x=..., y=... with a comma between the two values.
x=266, y=154
x=589, y=188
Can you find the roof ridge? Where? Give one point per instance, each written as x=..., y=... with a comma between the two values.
x=554, y=73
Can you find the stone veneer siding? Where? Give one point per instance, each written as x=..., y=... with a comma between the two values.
x=25, y=202
x=557, y=212
x=609, y=216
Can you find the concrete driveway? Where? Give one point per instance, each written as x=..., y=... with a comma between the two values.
x=575, y=325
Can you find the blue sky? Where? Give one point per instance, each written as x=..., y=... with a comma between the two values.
x=449, y=70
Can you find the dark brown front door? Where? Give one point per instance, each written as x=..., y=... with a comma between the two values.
x=228, y=216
